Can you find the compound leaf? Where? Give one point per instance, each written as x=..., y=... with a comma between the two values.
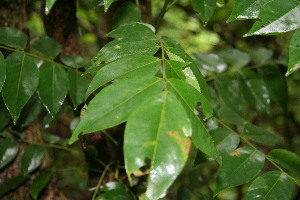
x=43, y=44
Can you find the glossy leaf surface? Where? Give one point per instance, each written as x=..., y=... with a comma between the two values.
x=2, y=70
x=189, y=97
x=78, y=85
x=126, y=13
x=12, y=37
x=12, y=184
x=205, y=8
x=294, y=53
x=226, y=141
x=174, y=69
x=39, y=183
x=277, y=17
x=287, y=159
x=254, y=90
x=211, y=62
x=53, y=86
x=273, y=185
x=246, y=9
x=131, y=39
x=276, y=84
x=43, y=44
x=259, y=135
x=239, y=167
x=107, y=110
x=140, y=65
x=107, y=4
x=8, y=151
x=32, y=158
x=229, y=92
x=22, y=79
x=49, y=5
x=160, y=136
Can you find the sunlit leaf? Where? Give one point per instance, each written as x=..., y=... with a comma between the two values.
x=39, y=183
x=22, y=79
x=140, y=65
x=273, y=185
x=53, y=86
x=32, y=158
x=294, y=53
x=130, y=39
x=246, y=9
x=114, y=104
x=259, y=135
x=229, y=92
x=286, y=159
x=126, y=13
x=173, y=69
x=239, y=167
x=12, y=184
x=254, y=90
x=226, y=141
x=205, y=8
x=12, y=37
x=43, y=44
x=8, y=151
x=277, y=17
x=49, y=5
x=2, y=70
x=78, y=85
x=276, y=84
x=159, y=136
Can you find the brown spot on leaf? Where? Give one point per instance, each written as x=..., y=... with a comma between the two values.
x=235, y=153
x=117, y=117
x=187, y=147
x=118, y=47
x=120, y=38
x=140, y=173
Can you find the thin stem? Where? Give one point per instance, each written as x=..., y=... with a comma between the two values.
x=162, y=14
x=109, y=137
x=100, y=181
x=251, y=145
x=137, y=3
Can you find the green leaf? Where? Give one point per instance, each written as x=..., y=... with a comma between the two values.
x=108, y=109
x=294, y=53
x=115, y=190
x=239, y=167
x=246, y=9
x=273, y=185
x=43, y=44
x=32, y=158
x=174, y=68
x=254, y=90
x=211, y=62
x=53, y=86
x=8, y=151
x=13, y=38
x=131, y=39
x=140, y=65
x=276, y=84
x=39, y=183
x=230, y=116
x=205, y=8
x=229, y=92
x=235, y=57
x=78, y=85
x=4, y=114
x=261, y=55
x=277, y=17
x=159, y=136
x=175, y=50
x=226, y=141
x=54, y=139
x=2, y=70
x=126, y=13
x=184, y=193
x=107, y=3
x=259, y=135
x=73, y=61
x=12, y=184
x=22, y=79
x=49, y=5
x=189, y=97
x=286, y=159
x=31, y=111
